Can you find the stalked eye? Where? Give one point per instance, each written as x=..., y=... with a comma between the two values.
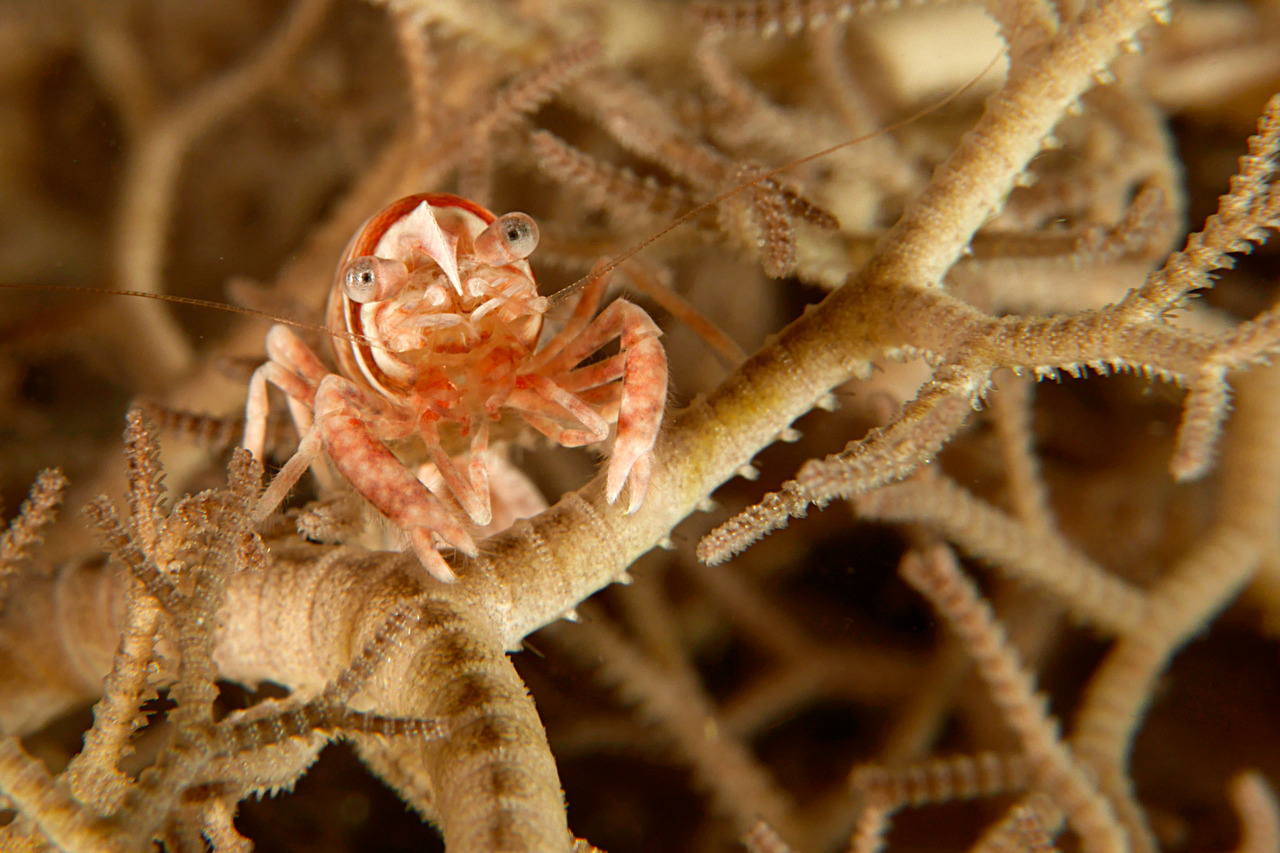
x=370, y=279
x=508, y=238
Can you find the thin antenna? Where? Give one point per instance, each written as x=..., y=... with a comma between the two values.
x=563, y=293
x=202, y=303
x=613, y=264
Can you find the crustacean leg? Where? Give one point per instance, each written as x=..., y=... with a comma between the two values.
x=471, y=492
x=339, y=419
x=512, y=494
x=543, y=403
x=296, y=371
x=343, y=422
x=331, y=414
x=642, y=366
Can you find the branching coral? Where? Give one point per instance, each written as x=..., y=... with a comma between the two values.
x=942, y=267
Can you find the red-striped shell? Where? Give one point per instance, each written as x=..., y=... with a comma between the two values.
x=403, y=367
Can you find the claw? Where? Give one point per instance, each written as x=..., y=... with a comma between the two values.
x=639, y=481
x=431, y=560
x=644, y=394
x=452, y=533
x=634, y=471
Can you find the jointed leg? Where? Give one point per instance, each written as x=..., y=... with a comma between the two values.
x=472, y=493
x=287, y=477
x=644, y=397
x=514, y=494
x=383, y=479
x=542, y=401
x=594, y=375
x=296, y=371
x=644, y=392
x=341, y=427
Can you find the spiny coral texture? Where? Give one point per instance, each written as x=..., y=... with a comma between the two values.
x=1100, y=551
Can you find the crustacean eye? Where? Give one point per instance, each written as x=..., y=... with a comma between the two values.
x=511, y=237
x=370, y=279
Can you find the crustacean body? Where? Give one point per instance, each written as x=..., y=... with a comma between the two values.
x=445, y=321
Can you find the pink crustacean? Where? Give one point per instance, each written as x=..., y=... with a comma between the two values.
x=445, y=320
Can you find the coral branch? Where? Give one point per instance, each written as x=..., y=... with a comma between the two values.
x=1053, y=768
x=23, y=534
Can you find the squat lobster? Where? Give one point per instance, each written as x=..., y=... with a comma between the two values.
x=445, y=318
